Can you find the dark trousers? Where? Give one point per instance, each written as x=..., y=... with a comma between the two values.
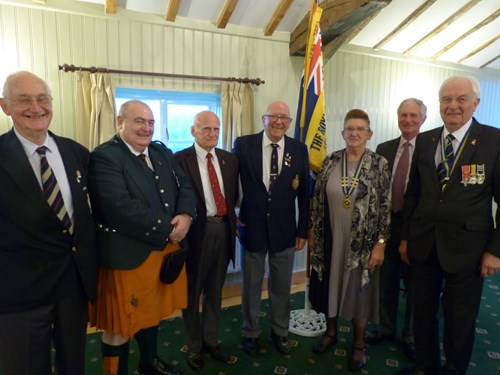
x=26, y=338
x=208, y=281
x=461, y=295
x=391, y=272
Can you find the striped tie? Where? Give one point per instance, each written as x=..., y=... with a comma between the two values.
x=51, y=190
x=444, y=167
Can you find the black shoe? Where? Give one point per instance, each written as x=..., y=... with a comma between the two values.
x=158, y=367
x=323, y=343
x=355, y=365
x=217, y=353
x=375, y=337
x=194, y=360
x=282, y=343
x=409, y=351
x=250, y=345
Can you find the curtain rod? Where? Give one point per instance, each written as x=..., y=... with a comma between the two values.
x=92, y=69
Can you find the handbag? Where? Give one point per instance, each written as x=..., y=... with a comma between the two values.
x=172, y=265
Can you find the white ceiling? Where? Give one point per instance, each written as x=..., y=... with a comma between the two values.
x=257, y=13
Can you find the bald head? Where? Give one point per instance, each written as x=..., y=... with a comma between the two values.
x=206, y=129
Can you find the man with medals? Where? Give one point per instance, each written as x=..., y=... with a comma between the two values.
x=449, y=236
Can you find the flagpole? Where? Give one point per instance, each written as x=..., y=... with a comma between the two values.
x=307, y=322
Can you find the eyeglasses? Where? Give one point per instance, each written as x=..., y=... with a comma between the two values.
x=359, y=130
x=27, y=101
x=274, y=118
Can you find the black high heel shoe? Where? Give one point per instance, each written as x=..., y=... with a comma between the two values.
x=355, y=365
x=323, y=343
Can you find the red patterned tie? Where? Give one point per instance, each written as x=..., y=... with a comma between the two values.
x=220, y=202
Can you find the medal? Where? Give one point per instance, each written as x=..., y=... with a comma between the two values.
x=349, y=183
x=465, y=174
x=480, y=174
x=346, y=203
x=473, y=175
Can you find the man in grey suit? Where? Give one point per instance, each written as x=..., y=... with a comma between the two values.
x=214, y=175
x=48, y=270
x=412, y=113
x=449, y=235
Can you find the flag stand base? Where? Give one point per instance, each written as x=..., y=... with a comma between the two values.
x=307, y=323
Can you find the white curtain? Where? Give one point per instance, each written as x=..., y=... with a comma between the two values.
x=237, y=112
x=95, y=108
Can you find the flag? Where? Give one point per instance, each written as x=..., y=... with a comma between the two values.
x=310, y=127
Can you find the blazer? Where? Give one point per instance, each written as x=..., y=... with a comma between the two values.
x=270, y=217
x=40, y=261
x=133, y=205
x=228, y=162
x=389, y=150
x=458, y=221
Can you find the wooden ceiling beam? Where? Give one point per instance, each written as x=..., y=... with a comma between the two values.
x=480, y=48
x=405, y=23
x=110, y=6
x=339, y=19
x=226, y=13
x=459, y=13
x=491, y=61
x=480, y=25
x=277, y=16
x=172, y=10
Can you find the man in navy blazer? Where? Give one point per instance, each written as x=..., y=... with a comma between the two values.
x=48, y=266
x=211, y=238
x=449, y=235
x=268, y=223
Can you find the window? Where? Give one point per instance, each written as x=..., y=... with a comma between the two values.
x=173, y=111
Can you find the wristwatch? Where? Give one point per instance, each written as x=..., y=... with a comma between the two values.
x=381, y=240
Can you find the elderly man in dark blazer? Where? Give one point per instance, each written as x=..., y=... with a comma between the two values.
x=47, y=255
x=274, y=172
x=214, y=175
x=412, y=113
x=449, y=235
x=144, y=205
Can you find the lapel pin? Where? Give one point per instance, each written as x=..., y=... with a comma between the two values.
x=78, y=176
x=473, y=142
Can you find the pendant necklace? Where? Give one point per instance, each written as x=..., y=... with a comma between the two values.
x=349, y=183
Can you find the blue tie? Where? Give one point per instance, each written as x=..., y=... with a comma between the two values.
x=444, y=167
x=274, y=165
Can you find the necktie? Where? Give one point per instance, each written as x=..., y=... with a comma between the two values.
x=274, y=165
x=51, y=189
x=444, y=167
x=399, y=179
x=220, y=202
x=143, y=158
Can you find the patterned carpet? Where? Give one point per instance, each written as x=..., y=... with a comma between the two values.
x=383, y=359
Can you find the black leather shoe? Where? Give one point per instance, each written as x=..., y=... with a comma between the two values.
x=354, y=364
x=323, y=343
x=375, y=337
x=250, y=345
x=217, y=353
x=194, y=360
x=282, y=343
x=409, y=351
x=158, y=367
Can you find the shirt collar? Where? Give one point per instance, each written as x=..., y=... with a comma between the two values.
x=460, y=133
x=30, y=147
x=266, y=141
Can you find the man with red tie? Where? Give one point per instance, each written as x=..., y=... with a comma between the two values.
x=214, y=175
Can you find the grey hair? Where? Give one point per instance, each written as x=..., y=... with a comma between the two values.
x=423, y=107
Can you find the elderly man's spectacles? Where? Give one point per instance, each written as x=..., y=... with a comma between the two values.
x=275, y=118
x=27, y=101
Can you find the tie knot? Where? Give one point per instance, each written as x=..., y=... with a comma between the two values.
x=142, y=157
x=41, y=150
x=274, y=145
x=450, y=138
x=406, y=144
x=209, y=156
